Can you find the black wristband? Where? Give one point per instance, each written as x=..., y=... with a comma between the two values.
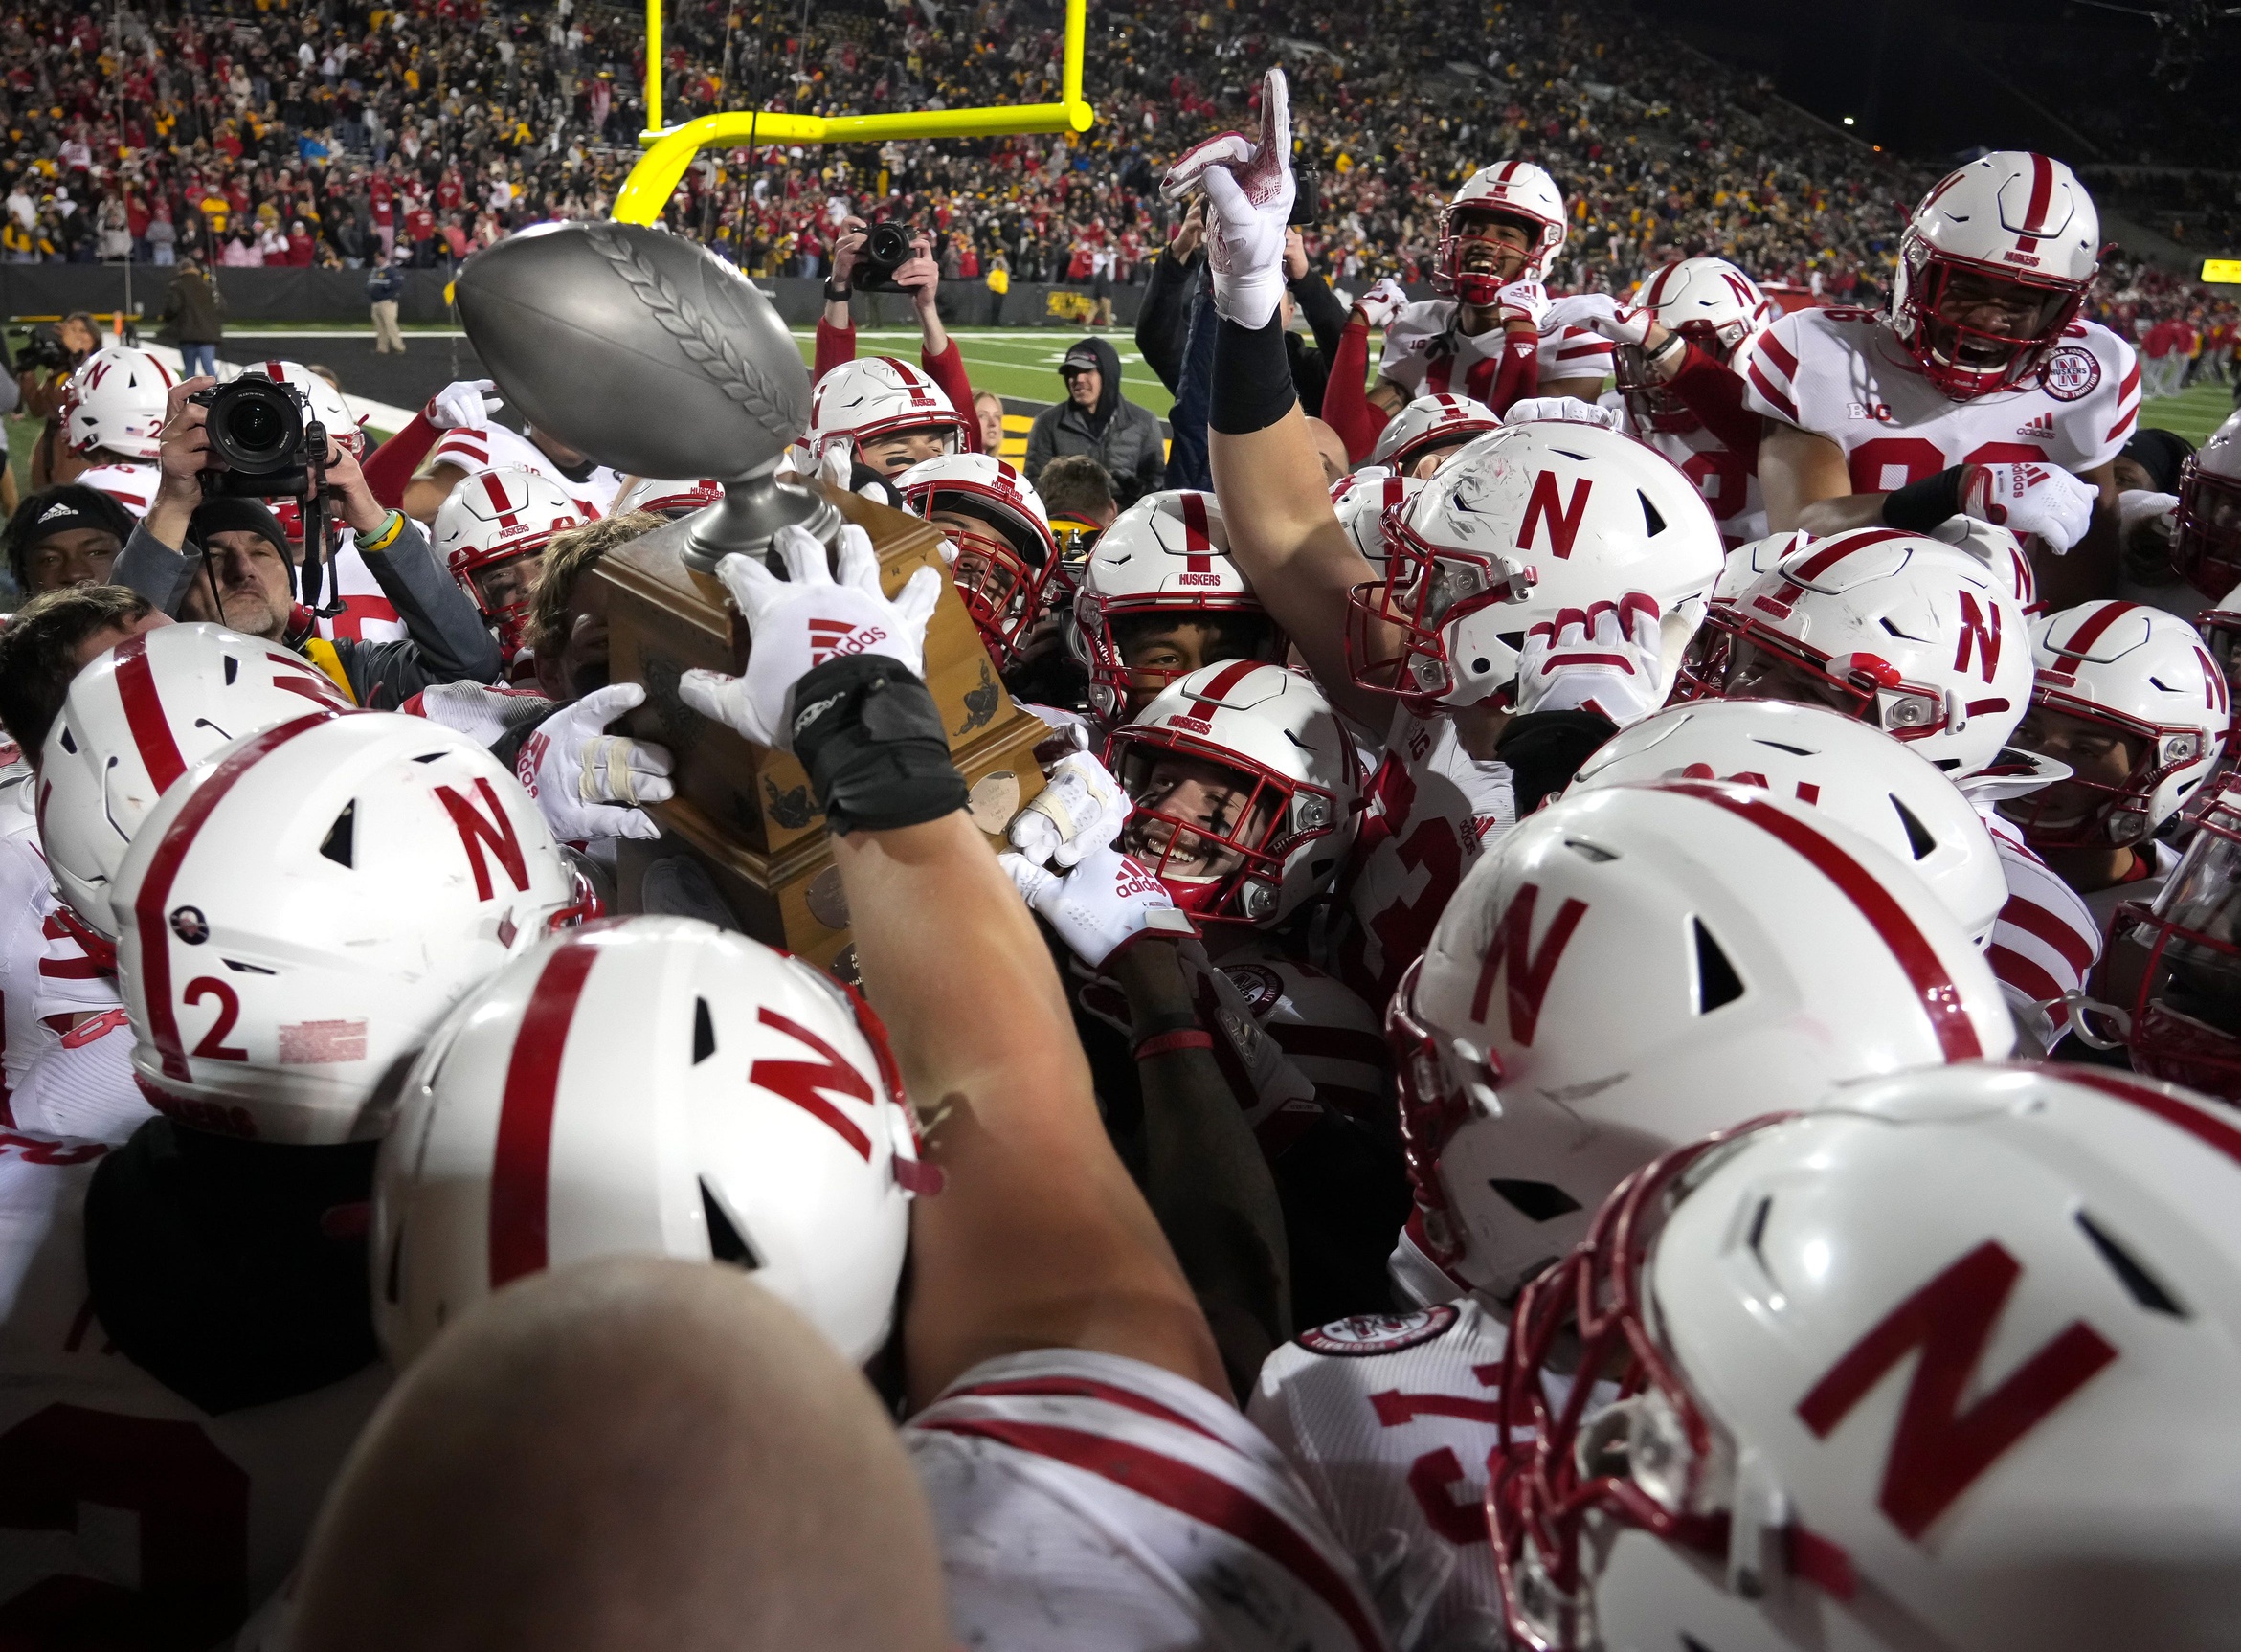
x=1922, y=505
x=1252, y=385
x=837, y=298
x=872, y=739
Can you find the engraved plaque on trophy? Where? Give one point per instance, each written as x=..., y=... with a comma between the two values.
x=653, y=356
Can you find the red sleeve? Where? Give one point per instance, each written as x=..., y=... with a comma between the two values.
x=948, y=371
x=834, y=345
x=1347, y=408
x=1714, y=394
x=1520, y=374
x=389, y=469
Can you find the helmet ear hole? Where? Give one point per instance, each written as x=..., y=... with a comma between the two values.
x=339, y=844
x=1917, y=836
x=1650, y=519
x=1717, y=980
x=704, y=1031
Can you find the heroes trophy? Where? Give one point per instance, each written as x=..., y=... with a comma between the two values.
x=657, y=358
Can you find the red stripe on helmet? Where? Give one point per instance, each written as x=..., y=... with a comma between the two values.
x=1657, y=287
x=1829, y=555
x=144, y=714
x=273, y=371
x=1225, y=679
x=1197, y=545
x=520, y=1165
x=493, y=491
x=1941, y=998
x=2203, y=1127
x=150, y=908
x=2035, y=216
x=2096, y=625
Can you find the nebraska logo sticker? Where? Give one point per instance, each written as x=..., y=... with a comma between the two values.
x=1369, y=1335
x=2070, y=373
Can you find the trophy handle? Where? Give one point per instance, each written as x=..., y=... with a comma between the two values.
x=755, y=507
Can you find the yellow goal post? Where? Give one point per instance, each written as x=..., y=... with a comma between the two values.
x=669, y=151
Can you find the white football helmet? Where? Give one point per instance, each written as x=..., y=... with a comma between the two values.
x=875, y=397
x=1428, y=424
x=666, y=497
x=327, y=406
x=1523, y=524
x=1912, y=635
x=1164, y=560
x=136, y=719
x=1005, y=567
x=693, y=1094
x=1999, y=551
x=2169, y=978
x=1841, y=769
x=1712, y=305
x=2010, y=220
x=1704, y=662
x=1949, y=1362
x=116, y=399
x=2206, y=538
x=1632, y=967
x=491, y=518
x=1291, y=773
x=1513, y=189
x=1361, y=503
x=305, y=904
x=2118, y=679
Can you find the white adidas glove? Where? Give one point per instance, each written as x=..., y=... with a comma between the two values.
x=462, y=402
x=1248, y=196
x=1080, y=809
x=1381, y=302
x=1567, y=410
x=1600, y=313
x=1602, y=661
x=2146, y=521
x=1102, y=905
x=587, y=782
x=2031, y=499
x=1524, y=301
x=803, y=620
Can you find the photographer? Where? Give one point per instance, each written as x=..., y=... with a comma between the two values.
x=193, y=317
x=919, y=275
x=226, y=558
x=42, y=380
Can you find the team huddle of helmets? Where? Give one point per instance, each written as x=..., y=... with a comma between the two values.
x=1713, y=997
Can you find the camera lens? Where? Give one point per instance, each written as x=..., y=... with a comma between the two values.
x=255, y=426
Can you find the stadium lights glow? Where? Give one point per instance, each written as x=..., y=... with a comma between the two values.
x=1848, y=119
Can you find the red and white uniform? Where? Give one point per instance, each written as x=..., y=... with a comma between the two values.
x=1334, y=1040
x=25, y=898
x=80, y=1084
x=1435, y=808
x=1727, y=481
x=131, y=485
x=1414, y=339
x=2048, y=939
x=478, y=448
x=368, y=613
x=1091, y=1500
x=1841, y=374
x=128, y=1513
x=1388, y=1418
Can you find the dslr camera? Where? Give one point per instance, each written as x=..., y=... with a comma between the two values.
x=44, y=351
x=263, y=433
x=886, y=248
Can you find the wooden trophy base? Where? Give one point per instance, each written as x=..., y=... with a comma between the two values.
x=742, y=842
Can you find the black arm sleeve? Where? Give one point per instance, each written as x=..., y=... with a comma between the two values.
x=1165, y=317
x=1545, y=749
x=1326, y=315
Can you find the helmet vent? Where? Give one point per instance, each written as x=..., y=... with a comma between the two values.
x=340, y=837
x=1918, y=838
x=429, y=757
x=2136, y=1281
x=69, y=744
x=1649, y=517
x=2159, y=683
x=704, y=1031
x=1757, y=1233
x=233, y=670
x=1781, y=746
x=1535, y=1201
x=1717, y=980
x=725, y=1243
x=1593, y=854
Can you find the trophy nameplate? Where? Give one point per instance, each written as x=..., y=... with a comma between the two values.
x=743, y=813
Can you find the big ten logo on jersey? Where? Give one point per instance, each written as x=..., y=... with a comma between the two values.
x=1871, y=409
x=479, y=833
x=1547, y=510
x=1940, y=1448
x=1528, y=971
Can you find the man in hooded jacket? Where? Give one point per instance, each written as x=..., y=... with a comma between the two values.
x=1094, y=420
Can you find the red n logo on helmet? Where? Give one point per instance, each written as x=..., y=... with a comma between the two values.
x=1510, y=947
x=1562, y=517
x=1939, y=1450
x=802, y=1082
x=1980, y=630
x=475, y=833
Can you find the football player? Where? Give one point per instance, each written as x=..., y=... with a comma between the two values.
x=458, y=419
x=1978, y=392
x=113, y=412
x=919, y=276
x=491, y=534
x=68, y=534
x=872, y=419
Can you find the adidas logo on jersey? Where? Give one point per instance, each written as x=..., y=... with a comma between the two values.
x=2040, y=429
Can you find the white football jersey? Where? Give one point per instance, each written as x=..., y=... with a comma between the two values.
x=1435, y=808
x=1085, y=1499
x=1423, y=360
x=1389, y=1419
x=368, y=614
x=126, y=1504
x=131, y=485
x=2047, y=940
x=25, y=898
x=478, y=448
x=1323, y=1027
x=1843, y=375
x=1727, y=481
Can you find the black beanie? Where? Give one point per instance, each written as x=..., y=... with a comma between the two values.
x=2161, y=452
x=223, y=513
x=53, y=510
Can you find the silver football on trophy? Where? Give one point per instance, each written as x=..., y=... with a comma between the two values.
x=653, y=356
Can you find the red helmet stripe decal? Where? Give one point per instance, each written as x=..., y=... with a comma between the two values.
x=1829, y=555
x=274, y=371
x=521, y=1166
x=2196, y=1122
x=1225, y=679
x=151, y=911
x=1657, y=287
x=2035, y=216
x=493, y=491
x=2092, y=630
x=1926, y=971
x=1197, y=545
x=144, y=714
